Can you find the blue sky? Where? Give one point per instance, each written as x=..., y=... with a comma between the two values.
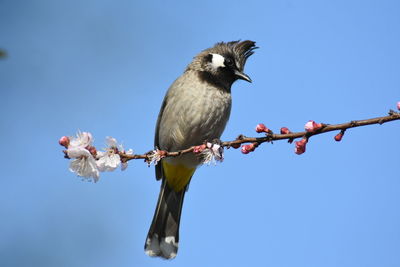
x=104, y=66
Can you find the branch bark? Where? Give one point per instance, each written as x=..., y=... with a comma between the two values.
x=241, y=139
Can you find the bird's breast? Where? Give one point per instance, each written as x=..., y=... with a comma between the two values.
x=194, y=112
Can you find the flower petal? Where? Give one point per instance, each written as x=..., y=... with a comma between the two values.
x=108, y=162
x=77, y=152
x=111, y=142
x=81, y=140
x=85, y=167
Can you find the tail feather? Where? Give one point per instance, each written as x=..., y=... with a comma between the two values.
x=163, y=237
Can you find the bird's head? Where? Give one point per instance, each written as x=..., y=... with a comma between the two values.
x=223, y=63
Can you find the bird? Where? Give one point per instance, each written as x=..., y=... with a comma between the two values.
x=195, y=109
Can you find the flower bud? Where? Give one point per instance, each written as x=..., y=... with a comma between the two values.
x=199, y=149
x=285, y=130
x=339, y=136
x=311, y=126
x=246, y=149
x=64, y=141
x=398, y=105
x=261, y=128
x=251, y=147
x=300, y=146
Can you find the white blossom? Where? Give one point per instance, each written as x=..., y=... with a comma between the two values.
x=78, y=145
x=82, y=163
x=81, y=140
x=111, y=142
x=77, y=152
x=155, y=156
x=109, y=160
x=87, y=162
x=212, y=154
x=85, y=167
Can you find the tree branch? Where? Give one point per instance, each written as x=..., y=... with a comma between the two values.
x=269, y=137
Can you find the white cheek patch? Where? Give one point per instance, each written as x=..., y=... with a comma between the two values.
x=217, y=61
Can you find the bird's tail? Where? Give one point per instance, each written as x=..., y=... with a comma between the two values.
x=163, y=237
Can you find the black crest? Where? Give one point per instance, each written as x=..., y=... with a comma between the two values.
x=240, y=51
x=236, y=51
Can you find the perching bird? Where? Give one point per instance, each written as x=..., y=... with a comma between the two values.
x=195, y=109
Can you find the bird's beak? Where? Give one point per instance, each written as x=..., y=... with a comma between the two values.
x=242, y=76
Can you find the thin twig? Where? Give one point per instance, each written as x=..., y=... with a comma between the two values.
x=274, y=137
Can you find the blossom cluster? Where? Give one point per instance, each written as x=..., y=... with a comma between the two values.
x=86, y=161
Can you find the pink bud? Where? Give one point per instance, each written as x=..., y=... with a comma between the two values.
x=311, y=126
x=300, y=146
x=285, y=130
x=261, y=128
x=251, y=147
x=246, y=149
x=199, y=149
x=339, y=136
x=64, y=141
x=398, y=105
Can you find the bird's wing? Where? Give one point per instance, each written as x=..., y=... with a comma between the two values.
x=156, y=138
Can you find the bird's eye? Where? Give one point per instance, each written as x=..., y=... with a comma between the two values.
x=228, y=62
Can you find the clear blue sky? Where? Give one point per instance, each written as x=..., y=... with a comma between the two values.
x=104, y=66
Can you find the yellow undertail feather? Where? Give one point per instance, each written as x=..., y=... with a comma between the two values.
x=177, y=175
